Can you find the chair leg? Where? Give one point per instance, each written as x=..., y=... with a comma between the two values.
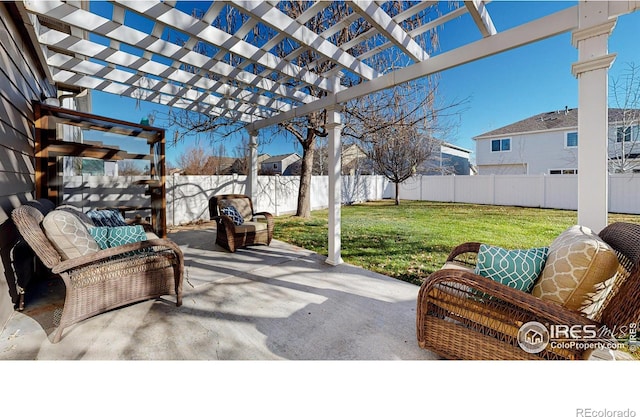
x=21, y=301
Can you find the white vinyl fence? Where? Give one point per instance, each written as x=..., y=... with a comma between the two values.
x=544, y=191
x=188, y=195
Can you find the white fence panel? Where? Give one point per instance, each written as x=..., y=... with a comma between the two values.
x=519, y=190
x=476, y=189
x=624, y=193
x=409, y=190
x=439, y=188
x=561, y=192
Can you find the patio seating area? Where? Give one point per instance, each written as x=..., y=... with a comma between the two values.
x=262, y=303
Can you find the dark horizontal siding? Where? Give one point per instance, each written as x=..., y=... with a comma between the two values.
x=21, y=82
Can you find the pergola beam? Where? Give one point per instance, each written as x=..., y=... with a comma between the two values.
x=194, y=27
x=481, y=16
x=274, y=18
x=113, y=57
x=545, y=27
x=90, y=22
x=112, y=87
x=417, y=31
x=379, y=19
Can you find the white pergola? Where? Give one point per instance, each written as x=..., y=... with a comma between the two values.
x=262, y=89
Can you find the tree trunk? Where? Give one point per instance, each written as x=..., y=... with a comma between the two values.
x=397, y=193
x=304, y=192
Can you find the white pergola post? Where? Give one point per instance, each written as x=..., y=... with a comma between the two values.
x=252, y=182
x=591, y=38
x=334, y=126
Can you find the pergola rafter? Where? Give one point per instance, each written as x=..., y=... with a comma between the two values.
x=152, y=45
x=481, y=17
x=144, y=67
x=195, y=28
x=271, y=16
x=379, y=19
x=255, y=86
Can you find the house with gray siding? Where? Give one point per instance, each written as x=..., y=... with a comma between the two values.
x=22, y=80
x=279, y=164
x=447, y=159
x=547, y=143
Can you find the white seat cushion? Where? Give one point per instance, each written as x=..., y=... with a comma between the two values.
x=248, y=227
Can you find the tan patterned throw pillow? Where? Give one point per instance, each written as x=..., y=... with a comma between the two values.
x=578, y=262
x=68, y=234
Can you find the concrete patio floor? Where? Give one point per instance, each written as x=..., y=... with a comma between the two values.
x=260, y=303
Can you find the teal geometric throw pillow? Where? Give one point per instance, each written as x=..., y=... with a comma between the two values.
x=517, y=268
x=101, y=236
x=126, y=234
x=109, y=237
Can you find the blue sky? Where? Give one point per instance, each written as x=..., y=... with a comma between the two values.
x=501, y=89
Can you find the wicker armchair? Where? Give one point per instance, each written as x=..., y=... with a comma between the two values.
x=250, y=232
x=461, y=315
x=109, y=278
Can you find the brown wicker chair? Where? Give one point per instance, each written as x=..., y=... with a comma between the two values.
x=461, y=315
x=251, y=232
x=107, y=279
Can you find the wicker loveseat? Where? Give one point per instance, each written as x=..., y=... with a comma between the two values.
x=461, y=315
x=242, y=226
x=104, y=279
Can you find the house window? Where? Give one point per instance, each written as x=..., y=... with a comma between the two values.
x=563, y=171
x=500, y=145
x=275, y=166
x=572, y=139
x=625, y=133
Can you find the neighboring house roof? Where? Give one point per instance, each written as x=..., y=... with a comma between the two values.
x=280, y=158
x=458, y=148
x=559, y=119
x=263, y=157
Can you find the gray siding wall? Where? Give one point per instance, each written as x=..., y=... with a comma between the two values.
x=21, y=81
x=538, y=152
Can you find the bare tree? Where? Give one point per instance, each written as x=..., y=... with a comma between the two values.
x=129, y=168
x=193, y=161
x=307, y=129
x=241, y=153
x=399, y=128
x=400, y=153
x=216, y=162
x=395, y=132
x=624, y=146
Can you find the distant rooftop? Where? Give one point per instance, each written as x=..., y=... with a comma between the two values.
x=559, y=119
x=278, y=158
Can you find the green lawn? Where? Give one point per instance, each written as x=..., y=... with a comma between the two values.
x=413, y=239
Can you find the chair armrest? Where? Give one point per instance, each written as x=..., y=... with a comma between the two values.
x=464, y=253
x=542, y=310
x=106, y=254
x=227, y=221
x=265, y=214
